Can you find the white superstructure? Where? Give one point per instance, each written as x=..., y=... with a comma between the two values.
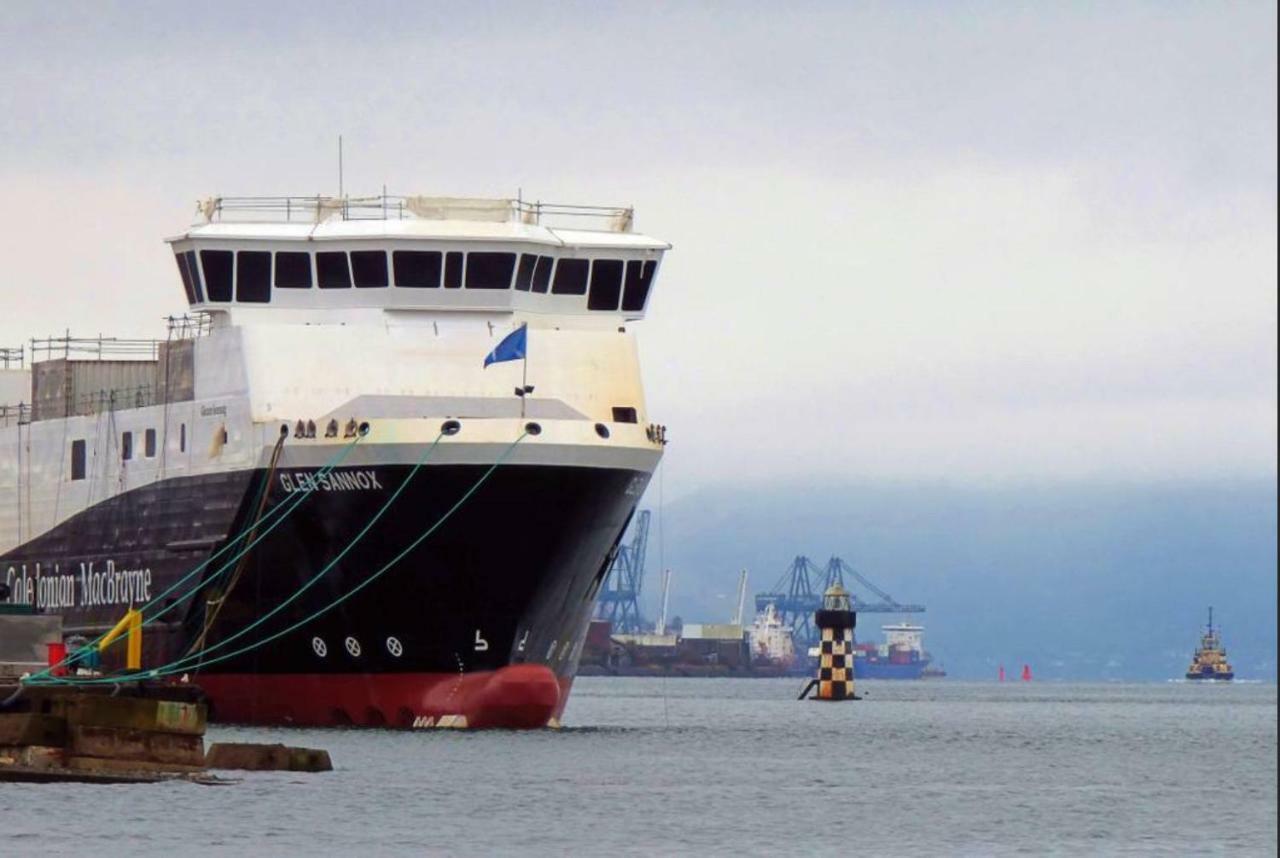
x=903, y=637
x=311, y=313
x=771, y=638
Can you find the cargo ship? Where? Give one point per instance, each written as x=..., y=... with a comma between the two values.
x=390, y=446
x=1210, y=659
x=771, y=640
x=900, y=656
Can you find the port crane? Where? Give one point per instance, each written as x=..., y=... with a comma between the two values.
x=796, y=598
x=618, y=601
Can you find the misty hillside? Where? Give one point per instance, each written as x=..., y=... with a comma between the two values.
x=1079, y=581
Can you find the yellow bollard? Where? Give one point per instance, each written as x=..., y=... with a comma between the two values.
x=130, y=623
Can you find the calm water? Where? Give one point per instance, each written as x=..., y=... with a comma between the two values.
x=687, y=766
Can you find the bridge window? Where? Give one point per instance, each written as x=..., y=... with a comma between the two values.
x=194, y=271
x=639, y=279
x=571, y=277
x=606, y=284
x=77, y=460
x=453, y=270
x=253, y=276
x=217, y=273
x=332, y=271
x=369, y=268
x=542, y=274
x=524, y=274
x=293, y=270
x=490, y=270
x=149, y=443
x=186, y=277
x=417, y=269
x=126, y=445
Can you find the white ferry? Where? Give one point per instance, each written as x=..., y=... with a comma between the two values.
x=426, y=531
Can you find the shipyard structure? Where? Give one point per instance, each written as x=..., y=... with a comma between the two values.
x=782, y=639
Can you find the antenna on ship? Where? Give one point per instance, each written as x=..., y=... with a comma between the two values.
x=339, y=166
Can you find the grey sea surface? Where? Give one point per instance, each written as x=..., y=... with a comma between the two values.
x=733, y=767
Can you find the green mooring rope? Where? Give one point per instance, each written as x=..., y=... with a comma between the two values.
x=282, y=510
x=177, y=666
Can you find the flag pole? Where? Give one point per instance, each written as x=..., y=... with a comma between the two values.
x=524, y=372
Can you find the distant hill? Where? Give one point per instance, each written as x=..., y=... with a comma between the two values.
x=1081, y=581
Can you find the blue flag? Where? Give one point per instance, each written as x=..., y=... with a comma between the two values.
x=512, y=347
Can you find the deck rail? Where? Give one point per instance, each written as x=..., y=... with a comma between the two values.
x=318, y=208
x=15, y=415
x=188, y=326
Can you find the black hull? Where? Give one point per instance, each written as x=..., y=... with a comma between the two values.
x=510, y=577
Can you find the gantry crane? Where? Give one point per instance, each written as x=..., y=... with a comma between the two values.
x=795, y=598
x=619, y=597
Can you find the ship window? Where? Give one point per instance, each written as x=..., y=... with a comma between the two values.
x=571, y=277
x=126, y=446
x=490, y=270
x=332, y=270
x=369, y=268
x=194, y=271
x=253, y=276
x=623, y=414
x=417, y=269
x=524, y=274
x=77, y=460
x=453, y=270
x=186, y=277
x=293, y=270
x=217, y=273
x=542, y=274
x=149, y=444
x=606, y=284
x=639, y=279
x=182, y=438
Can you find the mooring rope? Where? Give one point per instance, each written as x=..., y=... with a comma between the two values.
x=259, y=507
x=281, y=512
x=198, y=657
x=176, y=667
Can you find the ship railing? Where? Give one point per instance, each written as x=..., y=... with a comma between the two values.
x=189, y=326
x=13, y=358
x=314, y=209
x=15, y=415
x=96, y=348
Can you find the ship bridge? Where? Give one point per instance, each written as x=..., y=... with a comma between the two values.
x=322, y=254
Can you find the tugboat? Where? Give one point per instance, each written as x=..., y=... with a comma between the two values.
x=1210, y=661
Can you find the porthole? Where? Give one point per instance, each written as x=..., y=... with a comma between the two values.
x=602, y=430
x=533, y=429
x=450, y=427
x=353, y=647
x=318, y=644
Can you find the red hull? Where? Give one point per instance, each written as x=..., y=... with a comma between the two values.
x=520, y=696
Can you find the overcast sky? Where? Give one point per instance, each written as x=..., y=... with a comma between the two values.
x=978, y=242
